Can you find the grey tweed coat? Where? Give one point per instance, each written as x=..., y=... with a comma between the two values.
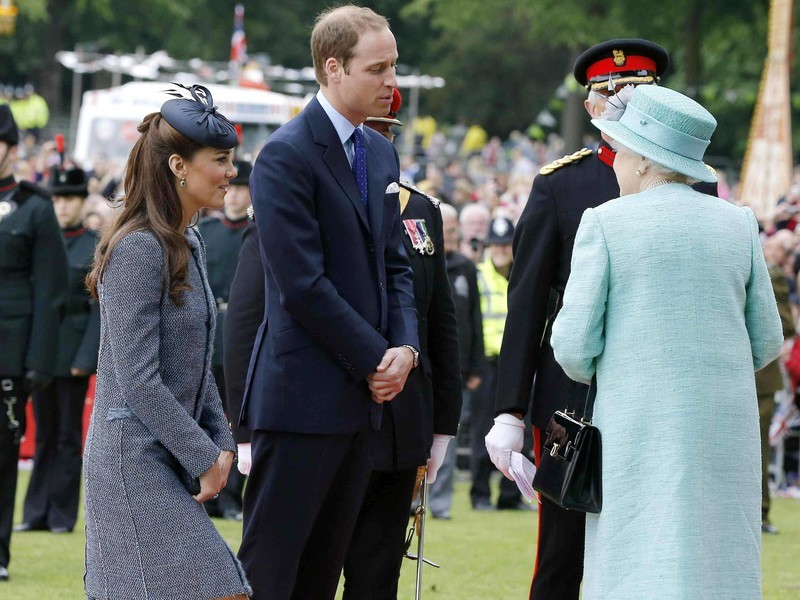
x=156, y=405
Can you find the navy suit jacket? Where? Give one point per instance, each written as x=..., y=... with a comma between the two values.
x=339, y=284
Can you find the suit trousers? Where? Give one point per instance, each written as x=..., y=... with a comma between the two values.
x=53, y=493
x=766, y=408
x=12, y=427
x=301, y=502
x=372, y=567
x=481, y=421
x=558, y=571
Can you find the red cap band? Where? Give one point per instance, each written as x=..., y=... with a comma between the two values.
x=632, y=63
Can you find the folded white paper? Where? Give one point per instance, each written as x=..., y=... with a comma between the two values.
x=522, y=470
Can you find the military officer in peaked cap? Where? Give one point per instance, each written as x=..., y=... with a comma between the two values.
x=422, y=420
x=223, y=240
x=542, y=252
x=51, y=502
x=33, y=268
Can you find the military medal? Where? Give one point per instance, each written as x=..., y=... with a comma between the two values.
x=417, y=231
x=428, y=242
x=417, y=241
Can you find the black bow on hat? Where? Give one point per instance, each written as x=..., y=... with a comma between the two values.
x=198, y=118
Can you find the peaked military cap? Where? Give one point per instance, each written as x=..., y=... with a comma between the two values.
x=243, y=169
x=8, y=127
x=198, y=119
x=621, y=61
x=68, y=182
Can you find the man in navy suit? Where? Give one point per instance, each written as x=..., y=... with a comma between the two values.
x=342, y=333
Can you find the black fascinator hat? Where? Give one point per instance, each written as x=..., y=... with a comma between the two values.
x=197, y=118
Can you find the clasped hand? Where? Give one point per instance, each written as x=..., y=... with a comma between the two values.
x=213, y=481
x=390, y=376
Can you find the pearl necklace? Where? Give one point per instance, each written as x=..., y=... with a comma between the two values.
x=658, y=182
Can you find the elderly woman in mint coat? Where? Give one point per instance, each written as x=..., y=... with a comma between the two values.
x=670, y=305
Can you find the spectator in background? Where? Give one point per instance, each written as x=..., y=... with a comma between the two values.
x=474, y=221
x=493, y=273
x=463, y=278
x=769, y=380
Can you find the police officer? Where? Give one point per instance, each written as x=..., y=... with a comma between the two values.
x=423, y=418
x=223, y=240
x=33, y=269
x=542, y=251
x=54, y=489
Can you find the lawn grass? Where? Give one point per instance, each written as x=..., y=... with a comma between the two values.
x=484, y=556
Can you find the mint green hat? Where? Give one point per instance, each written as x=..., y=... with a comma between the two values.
x=666, y=127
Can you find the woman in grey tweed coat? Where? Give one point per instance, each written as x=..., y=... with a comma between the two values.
x=157, y=411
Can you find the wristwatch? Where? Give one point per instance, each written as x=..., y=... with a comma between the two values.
x=414, y=351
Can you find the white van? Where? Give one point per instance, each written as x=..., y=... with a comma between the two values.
x=108, y=118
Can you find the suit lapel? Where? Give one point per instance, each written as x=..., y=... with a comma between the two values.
x=334, y=156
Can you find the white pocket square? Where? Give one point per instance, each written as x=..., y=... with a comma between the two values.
x=393, y=188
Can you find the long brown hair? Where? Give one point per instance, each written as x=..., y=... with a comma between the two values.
x=151, y=203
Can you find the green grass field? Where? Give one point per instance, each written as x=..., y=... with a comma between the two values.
x=484, y=556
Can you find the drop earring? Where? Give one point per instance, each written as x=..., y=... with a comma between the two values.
x=183, y=183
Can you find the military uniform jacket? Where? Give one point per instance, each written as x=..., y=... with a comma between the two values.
x=431, y=400
x=542, y=254
x=79, y=336
x=223, y=239
x=33, y=269
x=542, y=247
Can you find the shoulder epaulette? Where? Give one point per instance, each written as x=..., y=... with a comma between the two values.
x=411, y=188
x=251, y=213
x=567, y=160
x=32, y=188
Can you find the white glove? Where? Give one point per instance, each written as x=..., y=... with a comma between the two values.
x=438, y=450
x=506, y=436
x=245, y=459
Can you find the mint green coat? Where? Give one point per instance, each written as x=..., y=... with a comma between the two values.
x=670, y=303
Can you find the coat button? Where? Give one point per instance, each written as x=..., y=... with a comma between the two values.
x=381, y=286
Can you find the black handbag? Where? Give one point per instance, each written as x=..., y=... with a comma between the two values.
x=569, y=472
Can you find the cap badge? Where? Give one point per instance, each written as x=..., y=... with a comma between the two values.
x=62, y=178
x=619, y=58
x=500, y=227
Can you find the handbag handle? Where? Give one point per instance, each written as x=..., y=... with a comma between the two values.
x=588, y=402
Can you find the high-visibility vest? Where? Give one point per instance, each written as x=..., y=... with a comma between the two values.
x=493, y=287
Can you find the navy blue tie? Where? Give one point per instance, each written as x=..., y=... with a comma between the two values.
x=360, y=164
